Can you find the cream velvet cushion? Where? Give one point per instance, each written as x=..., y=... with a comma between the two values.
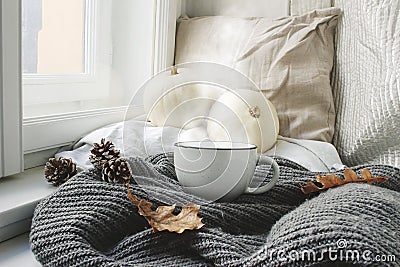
x=290, y=60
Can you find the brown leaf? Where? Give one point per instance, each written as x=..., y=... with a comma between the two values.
x=163, y=218
x=332, y=180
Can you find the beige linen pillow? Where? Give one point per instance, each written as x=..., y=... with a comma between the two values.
x=289, y=59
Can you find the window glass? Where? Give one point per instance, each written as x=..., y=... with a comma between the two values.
x=53, y=36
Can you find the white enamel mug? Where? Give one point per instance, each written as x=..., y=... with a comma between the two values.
x=220, y=170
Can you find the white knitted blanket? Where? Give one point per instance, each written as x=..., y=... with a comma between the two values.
x=366, y=82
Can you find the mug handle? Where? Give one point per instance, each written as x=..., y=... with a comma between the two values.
x=264, y=160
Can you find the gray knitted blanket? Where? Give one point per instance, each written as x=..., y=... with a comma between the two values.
x=88, y=222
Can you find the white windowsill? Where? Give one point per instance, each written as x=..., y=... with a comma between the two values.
x=16, y=252
x=19, y=195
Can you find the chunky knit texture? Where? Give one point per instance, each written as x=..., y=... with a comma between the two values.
x=88, y=222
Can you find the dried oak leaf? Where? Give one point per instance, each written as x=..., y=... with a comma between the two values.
x=332, y=180
x=163, y=218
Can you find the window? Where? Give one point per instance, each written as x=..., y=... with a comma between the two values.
x=76, y=74
x=66, y=52
x=65, y=97
x=54, y=37
x=82, y=60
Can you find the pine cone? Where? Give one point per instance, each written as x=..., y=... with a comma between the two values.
x=116, y=171
x=58, y=171
x=103, y=152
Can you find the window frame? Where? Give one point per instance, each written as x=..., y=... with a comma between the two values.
x=91, y=85
x=167, y=13
x=62, y=129
x=11, y=160
x=89, y=52
x=71, y=125
x=47, y=132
